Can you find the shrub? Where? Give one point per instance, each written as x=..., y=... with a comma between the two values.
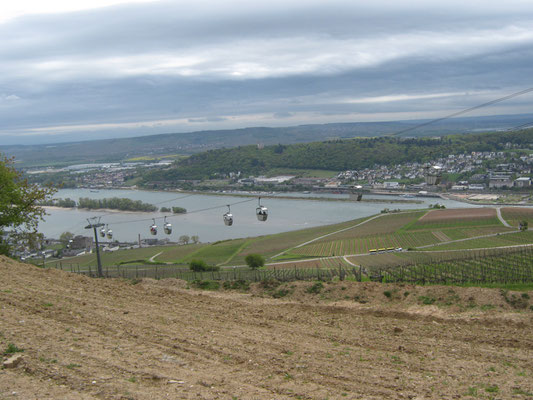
x=255, y=261
x=200, y=266
x=426, y=300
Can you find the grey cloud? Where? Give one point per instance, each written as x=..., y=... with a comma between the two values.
x=101, y=66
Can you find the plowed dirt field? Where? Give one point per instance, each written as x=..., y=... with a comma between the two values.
x=86, y=338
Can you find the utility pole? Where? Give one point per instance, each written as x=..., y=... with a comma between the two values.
x=94, y=226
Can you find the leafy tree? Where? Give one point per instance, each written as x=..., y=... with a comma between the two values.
x=20, y=211
x=179, y=210
x=164, y=209
x=255, y=261
x=65, y=237
x=184, y=239
x=195, y=239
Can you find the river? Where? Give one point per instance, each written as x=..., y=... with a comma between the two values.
x=204, y=217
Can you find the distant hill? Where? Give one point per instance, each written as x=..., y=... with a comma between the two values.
x=337, y=155
x=195, y=142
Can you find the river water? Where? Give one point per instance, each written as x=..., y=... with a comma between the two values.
x=204, y=217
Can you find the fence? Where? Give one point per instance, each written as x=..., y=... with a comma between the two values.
x=508, y=267
x=232, y=274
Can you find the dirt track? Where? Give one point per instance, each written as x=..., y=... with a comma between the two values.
x=111, y=339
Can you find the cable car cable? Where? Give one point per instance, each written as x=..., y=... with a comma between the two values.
x=189, y=212
x=456, y=114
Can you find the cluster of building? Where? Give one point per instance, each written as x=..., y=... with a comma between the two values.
x=80, y=245
x=101, y=175
x=480, y=170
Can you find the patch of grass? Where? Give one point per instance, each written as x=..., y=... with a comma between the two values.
x=426, y=300
x=492, y=389
x=47, y=360
x=522, y=392
x=472, y=391
x=132, y=379
x=47, y=305
x=280, y=293
x=240, y=285
x=396, y=360
x=517, y=302
x=387, y=293
x=316, y=288
x=12, y=349
x=269, y=283
x=72, y=366
x=206, y=284
x=360, y=299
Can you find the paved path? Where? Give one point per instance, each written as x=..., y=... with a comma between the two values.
x=152, y=259
x=499, y=214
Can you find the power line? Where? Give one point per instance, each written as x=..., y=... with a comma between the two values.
x=456, y=114
x=526, y=125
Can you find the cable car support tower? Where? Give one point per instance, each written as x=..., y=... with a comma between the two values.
x=94, y=225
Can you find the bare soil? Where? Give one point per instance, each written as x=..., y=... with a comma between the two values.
x=458, y=214
x=87, y=338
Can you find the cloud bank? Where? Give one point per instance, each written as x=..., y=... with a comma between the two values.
x=134, y=68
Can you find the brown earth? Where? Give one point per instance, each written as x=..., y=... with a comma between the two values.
x=85, y=338
x=459, y=213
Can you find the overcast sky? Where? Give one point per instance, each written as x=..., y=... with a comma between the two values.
x=77, y=70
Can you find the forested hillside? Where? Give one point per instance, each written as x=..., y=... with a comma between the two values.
x=114, y=150
x=335, y=155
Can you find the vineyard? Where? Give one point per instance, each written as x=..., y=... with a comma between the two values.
x=514, y=215
x=412, y=230
x=458, y=217
x=385, y=224
x=323, y=263
x=286, y=272
x=508, y=239
x=503, y=267
x=365, y=244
